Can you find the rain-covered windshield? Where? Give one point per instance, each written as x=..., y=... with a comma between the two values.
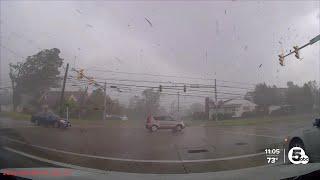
x=160, y=86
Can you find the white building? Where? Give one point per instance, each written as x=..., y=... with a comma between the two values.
x=235, y=107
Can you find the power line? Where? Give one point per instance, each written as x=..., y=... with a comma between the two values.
x=187, y=94
x=165, y=87
x=171, y=87
x=160, y=75
x=81, y=82
x=237, y=82
x=26, y=39
x=164, y=82
x=12, y=51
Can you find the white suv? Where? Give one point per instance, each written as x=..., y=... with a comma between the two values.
x=163, y=122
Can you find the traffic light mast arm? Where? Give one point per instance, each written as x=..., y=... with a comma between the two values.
x=87, y=78
x=312, y=41
x=298, y=49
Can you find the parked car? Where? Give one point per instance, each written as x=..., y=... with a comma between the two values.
x=116, y=117
x=308, y=139
x=282, y=110
x=163, y=122
x=49, y=119
x=124, y=118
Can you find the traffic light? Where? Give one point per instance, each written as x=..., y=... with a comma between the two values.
x=184, y=88
x=160, y=88
x=91, y=81
x=80, y=74
x=296, y=51
x=281, y=59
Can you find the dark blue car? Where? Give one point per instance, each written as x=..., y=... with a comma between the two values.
x=49, y=119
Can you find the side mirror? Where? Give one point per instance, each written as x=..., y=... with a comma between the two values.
x=316, y=123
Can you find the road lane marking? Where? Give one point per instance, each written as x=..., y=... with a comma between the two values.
x=54, y=162
x=139, y=160
x=19, y=127
x=252, y=134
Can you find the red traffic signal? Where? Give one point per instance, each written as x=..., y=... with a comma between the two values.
x=296, y=51
x=80, y=74
x=281, y=59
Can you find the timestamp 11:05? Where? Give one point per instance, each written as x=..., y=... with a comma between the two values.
x=272, y=151
x=272, y=155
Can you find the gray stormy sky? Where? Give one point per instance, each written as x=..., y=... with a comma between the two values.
x=227, y=40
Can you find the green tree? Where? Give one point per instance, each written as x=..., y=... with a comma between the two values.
x=151, y=99
x=72, y=106
x=37, y=74
x=95, y=107
x=196, y=107
x=265, y=96
x=114, y=107
x=148, y=103
x=303, y=98
x=94, y=104
x=136, y=108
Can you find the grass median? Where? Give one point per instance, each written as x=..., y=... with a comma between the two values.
x=80, y=122
x=16, y=115
x=251, y=121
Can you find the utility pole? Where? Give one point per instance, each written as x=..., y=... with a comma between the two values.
x=63, y=87
x=178, y=102
x=215, y=90
x=13, y=95
x=215, y=100
x=0, y=81
x=67, y=113
x=74, y=61
x=82, y=101
x=105, y=101
x=318, y=90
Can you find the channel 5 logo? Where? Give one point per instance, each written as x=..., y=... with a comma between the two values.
x=297, y=155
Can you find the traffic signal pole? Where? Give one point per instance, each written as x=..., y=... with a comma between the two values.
x=215, y=100
x=296, y=51
x=178, y=102
x=215, y=90
x=63, y=88
x=105, y=101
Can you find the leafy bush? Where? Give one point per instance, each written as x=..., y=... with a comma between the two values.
x=249, y=114
x=16, y=115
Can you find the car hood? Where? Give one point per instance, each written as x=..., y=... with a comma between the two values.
x=261, y=172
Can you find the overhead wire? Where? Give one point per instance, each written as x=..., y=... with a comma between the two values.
x=160, y=75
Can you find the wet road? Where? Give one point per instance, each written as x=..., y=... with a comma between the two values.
x=12, y=160
x=194, y=143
